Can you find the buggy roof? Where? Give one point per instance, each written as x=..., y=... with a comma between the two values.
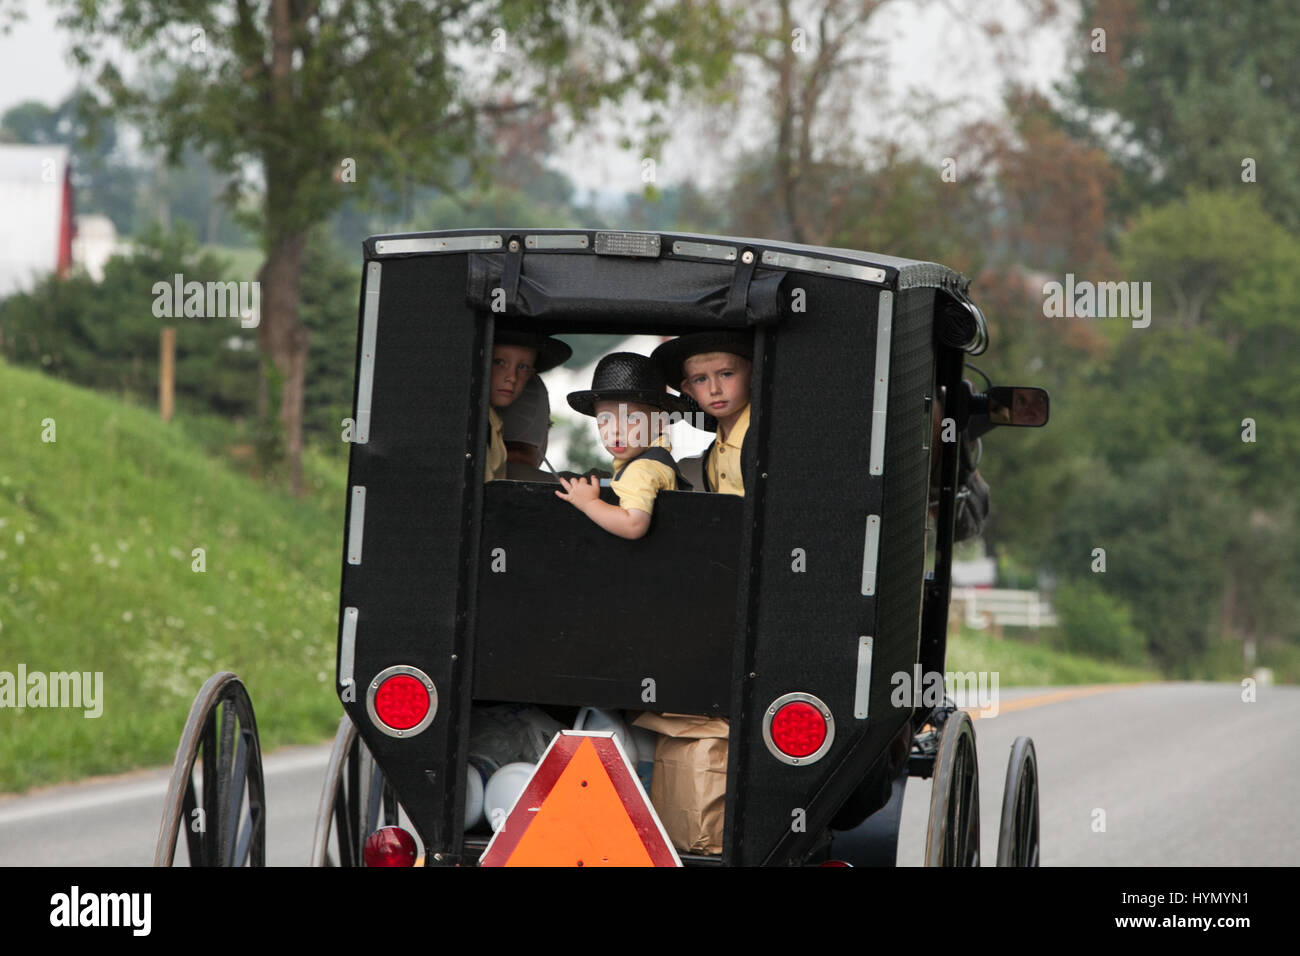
x=574, y=275
x=911, y=273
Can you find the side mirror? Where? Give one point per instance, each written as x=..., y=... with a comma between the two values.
x=1017, y=405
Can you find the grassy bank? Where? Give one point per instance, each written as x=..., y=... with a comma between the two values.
x=1033, y=665
x=98, y=572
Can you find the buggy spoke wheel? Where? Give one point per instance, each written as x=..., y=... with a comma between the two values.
x=1018, y=832
x=216, y=793
x=953, y=835
x=356, y=801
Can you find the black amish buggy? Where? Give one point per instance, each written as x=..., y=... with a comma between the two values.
x=815, y=588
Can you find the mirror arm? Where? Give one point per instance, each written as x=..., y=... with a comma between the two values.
x=979, y=424
x=966, y=406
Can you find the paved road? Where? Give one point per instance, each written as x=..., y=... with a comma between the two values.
x=1186, y=774
x=115, y=822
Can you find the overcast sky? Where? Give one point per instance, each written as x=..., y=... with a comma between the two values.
x=930, y=52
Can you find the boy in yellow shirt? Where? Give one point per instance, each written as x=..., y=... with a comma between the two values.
x=516, y=358
x=714, y=369
x=631, y=405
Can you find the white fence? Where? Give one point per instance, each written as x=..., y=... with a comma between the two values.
x=980, y=607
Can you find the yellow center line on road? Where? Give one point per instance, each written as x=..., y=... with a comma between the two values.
x=1038, y=700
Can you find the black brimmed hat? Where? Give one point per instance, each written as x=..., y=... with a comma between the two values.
x=673, y=354
x=550, y=352
x=626, y=377
x=528, y=418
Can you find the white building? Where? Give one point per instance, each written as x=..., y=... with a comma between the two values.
x=94, y=242
x=36, y=224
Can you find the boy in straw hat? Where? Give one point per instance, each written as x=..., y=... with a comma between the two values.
x=516, y=357
x=631, y=405
x=714, y=369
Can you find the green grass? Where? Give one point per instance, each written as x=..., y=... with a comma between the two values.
x=97, y=533
x=1020, y=664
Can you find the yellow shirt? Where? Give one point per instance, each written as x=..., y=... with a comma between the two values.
x=496, y=453
x=643, y=479
x=724, y=460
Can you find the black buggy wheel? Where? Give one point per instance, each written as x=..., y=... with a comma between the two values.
x=1018, y=833
x=953, y=835
x=356, y=801
x=223, y=815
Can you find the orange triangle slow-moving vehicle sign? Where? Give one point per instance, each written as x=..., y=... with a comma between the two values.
x=583, y=806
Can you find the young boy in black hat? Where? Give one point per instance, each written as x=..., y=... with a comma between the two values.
x=630, y=402
x=714, y=369
x=516, y=357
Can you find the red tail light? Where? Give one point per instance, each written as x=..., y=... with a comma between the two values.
x=798, y=728
x=402, y=701
x=389, y=846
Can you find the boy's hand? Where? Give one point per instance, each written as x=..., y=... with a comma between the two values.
x=584, y=494
x=578, y=492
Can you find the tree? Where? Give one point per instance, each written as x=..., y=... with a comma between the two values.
x=1164, y=524
x=1198, y=404
x=1224, y=279
x=899, y=206
x=105, y=335
x=1047, y=187
x=816, y=65
x=1184, y=93
x=311, y=102
x=331, y=287
x=1193, y=248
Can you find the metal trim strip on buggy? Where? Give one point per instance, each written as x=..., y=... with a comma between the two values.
x=348, y=646
x=870, y=555
x=705, y=250
x=847, y=270
x=393, y=247
x=572, y=240
x=356, y=523
x=862, y=689
x=366, y=372
x=880, y=394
